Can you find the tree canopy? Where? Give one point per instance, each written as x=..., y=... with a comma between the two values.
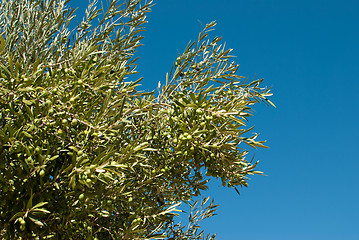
x=85, y=154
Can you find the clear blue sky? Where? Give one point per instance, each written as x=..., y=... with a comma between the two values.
x=307, y=51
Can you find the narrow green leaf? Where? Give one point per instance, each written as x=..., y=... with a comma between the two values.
x=37, y=222
x=11, y=65
x=141, y=146
x=39, y=205
x=19, y=214
x=26, y=89
x=27, y=102
x=40, y=210
x=29, y=202
x=270, y=102
x=157, y=236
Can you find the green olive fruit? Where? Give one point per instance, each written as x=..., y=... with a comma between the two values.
x=163, y=170
x=153, y=171
x=189, y=137
x=229, y=92
x=81, y=197
x=37, y=149
x=42, y=173
x=74, y=122
x=72, y=100
x=137, y=220
x=79, y=82
x=89, y=181
x=199, y=111
x=22, y=227
x=64, y=121
x=213, y=155
x=22, y=224
x=21, y=221
x=60, y=131
x=130, y=199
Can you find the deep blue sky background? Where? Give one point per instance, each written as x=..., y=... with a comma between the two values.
x=307, y=51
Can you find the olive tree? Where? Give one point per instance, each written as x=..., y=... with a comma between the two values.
x=85, y=154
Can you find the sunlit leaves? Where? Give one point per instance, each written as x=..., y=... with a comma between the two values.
x=84, y=153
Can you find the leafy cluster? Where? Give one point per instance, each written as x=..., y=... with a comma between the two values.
x=84, y=154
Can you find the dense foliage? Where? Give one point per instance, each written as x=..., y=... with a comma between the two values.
x=84, y=154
